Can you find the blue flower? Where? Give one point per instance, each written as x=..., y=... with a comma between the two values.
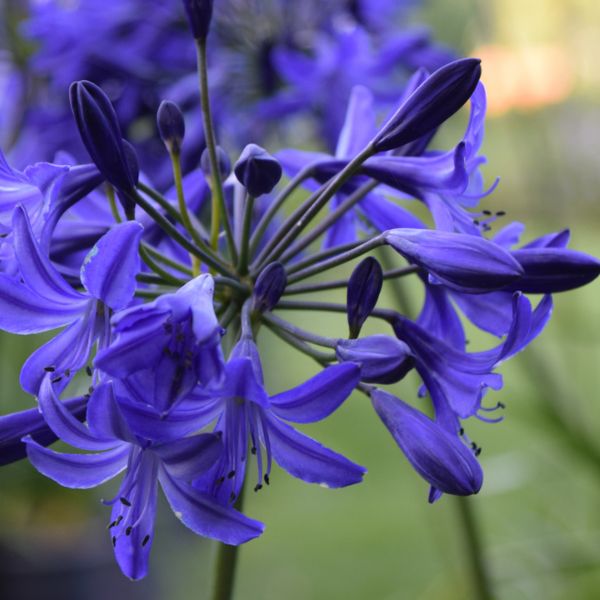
x=41, y=300
x=172, y=465
x=438, y=456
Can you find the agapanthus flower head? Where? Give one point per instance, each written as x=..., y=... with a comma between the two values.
x=163, y=301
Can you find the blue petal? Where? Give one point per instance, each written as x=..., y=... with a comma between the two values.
x=15, y=426
x=104, y=416
x=189, y=457
x=23, y=311
x=109, y=270
x=204, y=516
x=69, y=350
x=359, y=126
x=318, y=397
x=440, y=458
x=65, y=425
x=132, y=527
x=77, y=470
x=36, y=269
x=463, y=262
x=308, y=460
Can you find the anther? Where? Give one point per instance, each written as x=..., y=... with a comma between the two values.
x=88, y=370
x=125, y=501
x=461, y=431
x=145, y=540
x=257, y=487
x=501, y=405
x=500, y=213
x=231, y=474
x=267, y=479
x=114, y=541
x=477, y=451
x=253, y=450
x=487, y=212
x=56, y=379
x=49, y=369
x=129, y=530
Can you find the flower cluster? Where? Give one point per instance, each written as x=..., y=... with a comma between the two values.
x=157, y=372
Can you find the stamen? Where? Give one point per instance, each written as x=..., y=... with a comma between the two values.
x=50, y=369
x=145, y=540
x=125, y=501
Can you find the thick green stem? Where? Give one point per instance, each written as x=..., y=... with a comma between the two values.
x=474, y=547
x=219, y=210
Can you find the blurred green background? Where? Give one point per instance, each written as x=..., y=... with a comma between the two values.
x=538, y=511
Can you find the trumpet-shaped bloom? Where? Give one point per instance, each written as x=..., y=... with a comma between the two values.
x=115, y=449
x=41, y=300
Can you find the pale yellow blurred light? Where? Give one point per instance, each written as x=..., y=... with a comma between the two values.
x=525, y=78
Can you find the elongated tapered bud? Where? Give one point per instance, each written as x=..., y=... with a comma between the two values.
x=463, y=262
x=199, y=14
x=549, y=270
x=436, y=455
x=434, y=101
x=257, y=170
x=381, y=358
x=222, y=159
x=171, y=125
x=100, y=132
x=363, y=291
x=269, y=287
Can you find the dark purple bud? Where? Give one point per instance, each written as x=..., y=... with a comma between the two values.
x=125, y=197
x=466, y=263
x=222, y=159
x=257, y=170
x=441, y=458
x=199, y=14
x=171, y=125
x=100, y=132
x=363, y=291
x=269, y=287
x=381, y=358
x=434, y=101
x=554, y=269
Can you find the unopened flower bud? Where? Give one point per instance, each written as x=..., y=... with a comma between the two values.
x=381, y=358
x=436, y=455
x=269, y=287
x=257, y=170
x=100, y=132
x=434, y=101
x=222, y=159
x=199, y=14
x=363, y=291
x=171, y=125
